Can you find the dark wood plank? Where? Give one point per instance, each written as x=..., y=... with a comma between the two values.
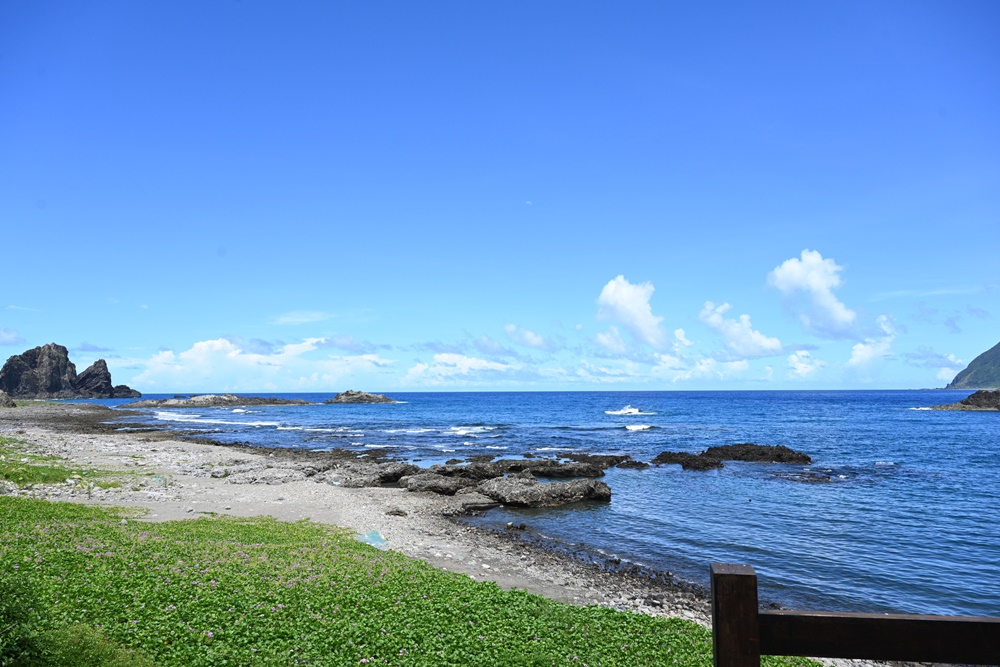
x=734, y=616
x=948, y=639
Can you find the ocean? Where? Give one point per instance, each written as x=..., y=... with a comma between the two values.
x=908, y=521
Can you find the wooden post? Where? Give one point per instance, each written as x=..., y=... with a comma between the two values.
x=735, y=637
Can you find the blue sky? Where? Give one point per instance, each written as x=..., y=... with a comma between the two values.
x=312, y=196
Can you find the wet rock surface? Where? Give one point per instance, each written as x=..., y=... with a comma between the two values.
x=352, y=396
x=687, y=460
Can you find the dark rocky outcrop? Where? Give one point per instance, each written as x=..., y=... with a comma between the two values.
x=125, y=391
x=6, y=401
x=567, y=470
x=215, y=401
x=47, y=372
x=524, y=491
x=714, y=456
x=632, y=464
x=981, y=400
x=757, y=453
x=687, y=460
x=351, y=396
x=983, y=372
x=96, y=380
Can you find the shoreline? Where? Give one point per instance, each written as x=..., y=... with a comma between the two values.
x=171, y=477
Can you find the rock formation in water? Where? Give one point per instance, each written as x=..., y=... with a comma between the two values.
x=982, y=373
x=983, y=399
x=47, y=372
x=351, y=396
x=215, y=401
x=714, y=456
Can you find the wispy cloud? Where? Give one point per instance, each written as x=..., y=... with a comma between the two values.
x=740, y=337
x=874, y=349
x=10, y=337
x=813, y=277
x=528, y=338
x=90, y=347
x=303, y=317
x=227, y=365
x=801, y=364
x=22, y=309
x=455, y=369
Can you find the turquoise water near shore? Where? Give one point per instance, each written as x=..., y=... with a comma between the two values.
x=908, y=521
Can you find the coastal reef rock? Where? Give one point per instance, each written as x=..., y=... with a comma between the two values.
x=215, y=401
x=714, y=456
x=6, y=401
x=47, y=372
x=521, y=491
x=355, y=475
x=983, y=372
x=428, y=481
x=981, y=400
x=687, y=460
x=351, y=396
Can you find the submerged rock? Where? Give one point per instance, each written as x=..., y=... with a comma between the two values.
x=351, y=396
x=521, y=491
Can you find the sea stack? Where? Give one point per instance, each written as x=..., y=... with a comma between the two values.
x=46, y=372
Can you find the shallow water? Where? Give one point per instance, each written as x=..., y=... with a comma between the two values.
x=909, y=520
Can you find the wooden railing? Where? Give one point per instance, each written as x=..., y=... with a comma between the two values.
x=741, y=633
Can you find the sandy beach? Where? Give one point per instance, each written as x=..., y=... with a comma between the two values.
x=172, y=478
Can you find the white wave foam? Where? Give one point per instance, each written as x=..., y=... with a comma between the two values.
x=638, y=427
x=290, y=428
x=197, y=419
x=409, y=431
x=885, y=463
x=553, y=449
x=919, y=408
x=240, y=410
x=495, y=447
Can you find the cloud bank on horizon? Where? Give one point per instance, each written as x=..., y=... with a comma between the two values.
x=835, y=346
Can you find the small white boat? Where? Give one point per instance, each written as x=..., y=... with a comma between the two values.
x=627, y=410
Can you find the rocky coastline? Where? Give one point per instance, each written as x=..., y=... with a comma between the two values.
x=180, y=478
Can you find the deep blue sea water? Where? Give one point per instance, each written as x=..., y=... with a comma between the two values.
x=910, y=521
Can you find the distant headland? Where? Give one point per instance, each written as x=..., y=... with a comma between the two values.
x=982, y=373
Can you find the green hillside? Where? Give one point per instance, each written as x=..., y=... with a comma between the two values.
x=982, y=373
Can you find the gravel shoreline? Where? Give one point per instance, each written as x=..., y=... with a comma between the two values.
x=172, y=478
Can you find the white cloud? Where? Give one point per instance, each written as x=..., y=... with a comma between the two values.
x=612, y=340
x=525, y=337
x=801, y=364
x=946, y=374
x=740, y=336
x=815, y=277
x=10, y=337
x=449, y=368
x=227, y=365
x=876, y=348
x=628, y=304
x=680, y=340
x=302, y=317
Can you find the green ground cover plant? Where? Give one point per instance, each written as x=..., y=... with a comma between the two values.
x=231, y=591
x=23, y=468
